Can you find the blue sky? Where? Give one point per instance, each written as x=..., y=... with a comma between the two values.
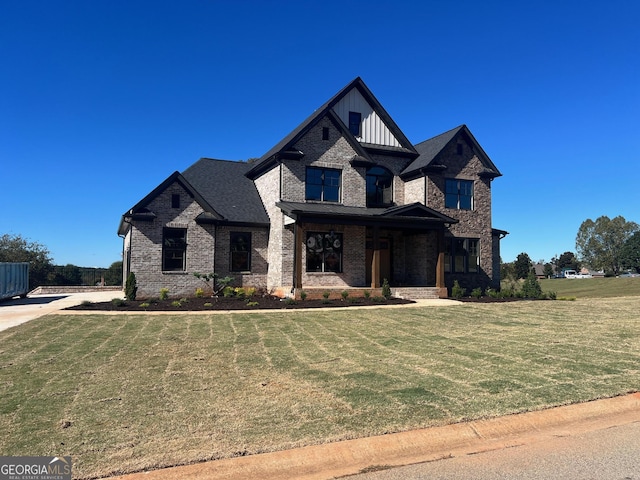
x=102, y=100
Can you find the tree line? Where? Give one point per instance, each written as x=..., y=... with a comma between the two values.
x=608, y=245
x=42, y=271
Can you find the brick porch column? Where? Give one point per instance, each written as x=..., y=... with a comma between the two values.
x=299, y=244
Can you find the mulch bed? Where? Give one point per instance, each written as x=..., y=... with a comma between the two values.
x=233, y=303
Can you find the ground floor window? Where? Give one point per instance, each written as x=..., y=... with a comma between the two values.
x=174, y=249
x=324, y=252
x=462, y=255
x=240, y=251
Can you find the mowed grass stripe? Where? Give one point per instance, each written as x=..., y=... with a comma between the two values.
x=143, y=391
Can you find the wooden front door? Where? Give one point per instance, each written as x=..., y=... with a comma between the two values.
x=385, y=260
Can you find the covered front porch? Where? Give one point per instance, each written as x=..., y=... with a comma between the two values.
x=354, y=248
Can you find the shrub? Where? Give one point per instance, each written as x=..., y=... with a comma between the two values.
x=145, y=305
x=228, y=292
x=208, y=304
x=344, y=294
x=326, y=294
x=303, y=295
x=476, y=292
x=457, y=291
x=118, y=302
x=551, y=295
x=490, y=292
x=379, y=299
x=131, y=287
x=386, y=289
x=86, y=303
x=240, y=292
x=164, y=293
x=199, y=293
x=290, y=301
x=366, y=294
x=531, y=287
x=250, y=292
x=176, y=303
x=252, y=304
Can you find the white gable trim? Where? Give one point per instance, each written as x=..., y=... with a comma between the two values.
x=373, y=129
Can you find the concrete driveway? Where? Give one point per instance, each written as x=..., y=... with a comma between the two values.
x=20, y=310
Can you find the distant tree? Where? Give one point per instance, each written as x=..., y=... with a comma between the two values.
x=15, y=248
x=630, y=253
x=548, y=270
x=566, y=261
x=522, y=266
x=506, y=270
x=65, y=275
x=600, y=243
x=113, y=275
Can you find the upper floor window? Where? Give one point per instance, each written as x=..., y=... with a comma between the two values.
x=462, y=255
x=355, y=119
x=379, y=187
x=240, y=251
x=458, y=194
x=175, y=200
x=323, y=184
x=174, y=249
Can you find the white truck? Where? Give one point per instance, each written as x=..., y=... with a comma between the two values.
x=574, y=274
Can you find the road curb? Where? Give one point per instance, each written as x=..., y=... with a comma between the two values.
x=350, y=457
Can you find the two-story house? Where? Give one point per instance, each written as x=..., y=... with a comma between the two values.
x=345, y=200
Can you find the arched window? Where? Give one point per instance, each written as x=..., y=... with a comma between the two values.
x=379, y=187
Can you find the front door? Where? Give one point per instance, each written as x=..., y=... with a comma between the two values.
x=385, y=260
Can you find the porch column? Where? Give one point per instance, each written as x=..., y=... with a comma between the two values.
x=440, y=283
x=375, y=261
x=298, y=245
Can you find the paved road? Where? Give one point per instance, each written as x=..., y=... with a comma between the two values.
x=613, y=453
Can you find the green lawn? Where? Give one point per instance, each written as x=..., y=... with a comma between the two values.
x=124, y=393
x=593, y=287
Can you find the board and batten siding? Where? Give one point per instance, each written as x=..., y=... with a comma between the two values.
x=373, y=129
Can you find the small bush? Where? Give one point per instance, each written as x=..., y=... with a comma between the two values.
x=145, y=305
x=457, y=291
x=290, y=301
x=531, y=287
x=386, y=289
x=184, y=300
x=476, y=292
x=379, y=299
x=367, y=294
x=303, y=295
x=551, y=295
x=344, y=294
x=240, y=292
x=228, y=292
x=199, y=293
x=208, y=304
x=252, y=304
x=176, y=303
x=326, y=294
x=86, y=303
x=164, y=293
x=118, y=302
x=490, y=292
x=131, y=287
x=250, y=292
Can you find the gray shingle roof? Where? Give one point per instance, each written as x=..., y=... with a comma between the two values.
x=223, y=184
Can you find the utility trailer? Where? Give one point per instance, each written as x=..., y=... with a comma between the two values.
x=14, y=280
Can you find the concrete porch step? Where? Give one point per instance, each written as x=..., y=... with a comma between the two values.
x=415, y=293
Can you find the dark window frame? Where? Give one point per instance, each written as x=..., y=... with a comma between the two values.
x=459, y=194
x=240, y=251
x=324, y=252
x=355, y=123
x=462, y=255
x=379, y=195
x=175, y=200
x=323, y=184
x=325, y=133
x=174, y=249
